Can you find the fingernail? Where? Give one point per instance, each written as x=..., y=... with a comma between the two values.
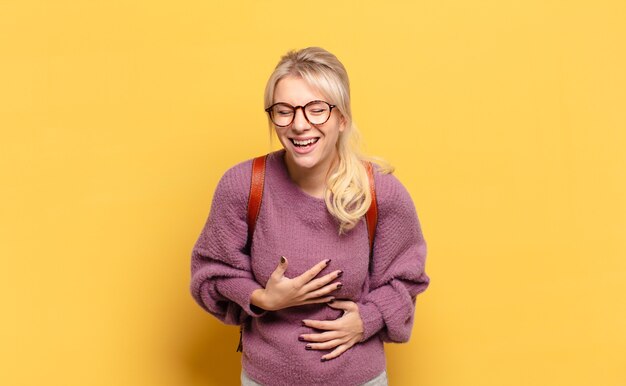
x=339, y=286
x=282, y=260
x=330, y=301
x=304, y=324
x=323, y=359
x=328, y=261
x=301, y=339
x=307, y=347
x=340, y=274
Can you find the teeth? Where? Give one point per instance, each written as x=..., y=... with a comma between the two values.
x=305, y=142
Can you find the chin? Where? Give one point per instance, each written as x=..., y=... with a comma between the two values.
x=306, y=161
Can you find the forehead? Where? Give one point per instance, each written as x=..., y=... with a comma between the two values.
x=295, y=91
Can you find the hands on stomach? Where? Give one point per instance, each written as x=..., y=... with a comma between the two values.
x=281, y=292
x=339, y=334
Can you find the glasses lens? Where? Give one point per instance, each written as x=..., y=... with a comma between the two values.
x=282, y=114
x=317, y=112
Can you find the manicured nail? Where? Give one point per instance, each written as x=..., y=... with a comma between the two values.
x=340, y=274
x=307, y=347
x=282, y=260
x=330, y=301
x=301, y=339
x=339, y=286
x=304, y=324
x=328, y=261
x=324, y=359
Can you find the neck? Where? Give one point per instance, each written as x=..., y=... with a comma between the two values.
x=310, y=180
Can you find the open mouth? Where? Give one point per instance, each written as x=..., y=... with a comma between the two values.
x=305, y=143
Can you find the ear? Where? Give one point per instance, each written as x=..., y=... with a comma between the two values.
x=342, y=123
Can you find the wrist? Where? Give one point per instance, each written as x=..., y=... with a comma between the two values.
x=256, y=298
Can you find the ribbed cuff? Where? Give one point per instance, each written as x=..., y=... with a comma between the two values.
x=372, y=320
x=239, y=291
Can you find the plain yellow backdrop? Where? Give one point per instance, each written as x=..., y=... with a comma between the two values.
x=505, y=120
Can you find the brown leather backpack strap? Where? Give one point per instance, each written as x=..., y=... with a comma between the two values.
x=254, y=207
x=371, y=217
x=256, y=193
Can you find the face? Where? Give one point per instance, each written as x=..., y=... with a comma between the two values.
x=321, y=140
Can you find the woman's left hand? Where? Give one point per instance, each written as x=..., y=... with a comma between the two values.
x=340, y=334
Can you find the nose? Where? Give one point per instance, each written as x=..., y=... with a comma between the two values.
x=300, y=122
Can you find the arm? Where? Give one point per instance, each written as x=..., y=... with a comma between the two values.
x=221, y=276
x=397, y=272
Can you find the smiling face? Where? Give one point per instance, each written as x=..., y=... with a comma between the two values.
x=308, y=147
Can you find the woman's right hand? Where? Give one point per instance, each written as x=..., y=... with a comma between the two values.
x=282, y=292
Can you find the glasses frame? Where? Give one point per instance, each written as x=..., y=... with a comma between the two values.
x=295, y=109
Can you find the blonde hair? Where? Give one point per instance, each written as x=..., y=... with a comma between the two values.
x=347, y=194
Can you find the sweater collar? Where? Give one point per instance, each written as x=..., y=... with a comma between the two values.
x=284, y=182
x=311, y=210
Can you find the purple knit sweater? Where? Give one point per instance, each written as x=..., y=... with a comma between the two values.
x=298, y=226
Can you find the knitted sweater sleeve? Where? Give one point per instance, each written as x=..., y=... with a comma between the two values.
x=397, y=273
x=221, y=275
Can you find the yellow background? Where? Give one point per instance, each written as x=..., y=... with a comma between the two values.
x=505, y=120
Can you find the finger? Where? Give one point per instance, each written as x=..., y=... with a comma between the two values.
x=331, y=344
x=336, y=352
x=312, y=272
x=345, y=305
x=322, y=337
x=323, y=291
x=320, y=324
x=324, y=299
x=279, y=272
x=322, y=281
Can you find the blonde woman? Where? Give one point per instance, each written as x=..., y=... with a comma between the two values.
x=315, y=301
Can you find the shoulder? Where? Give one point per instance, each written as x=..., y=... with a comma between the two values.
x=234, y=185
x=391, y=195
x=398, y=220
x=389, y=188
x=236, y=176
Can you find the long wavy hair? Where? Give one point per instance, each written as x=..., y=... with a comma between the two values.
x=347, y=194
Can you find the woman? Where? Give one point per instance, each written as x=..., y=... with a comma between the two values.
x=316, y=307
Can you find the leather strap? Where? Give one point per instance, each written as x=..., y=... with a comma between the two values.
x=256, y=193
x=371, y=217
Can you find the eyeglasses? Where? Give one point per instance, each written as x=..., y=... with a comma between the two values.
x=315, y=112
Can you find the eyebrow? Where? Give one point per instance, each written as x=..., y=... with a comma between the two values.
x=312, y=100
